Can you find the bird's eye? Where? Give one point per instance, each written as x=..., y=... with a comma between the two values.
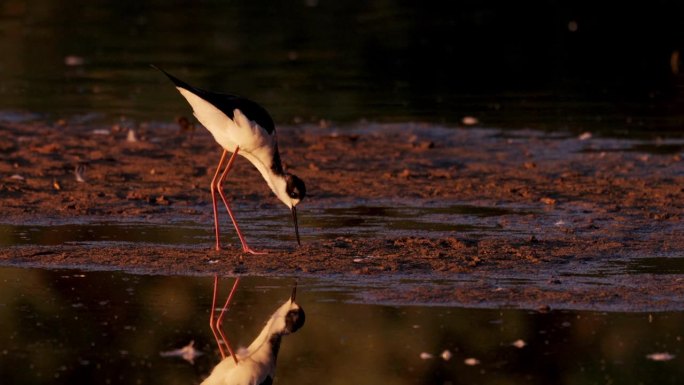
x=295, y=187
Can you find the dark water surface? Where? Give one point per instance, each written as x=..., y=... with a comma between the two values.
x=369, y=221
x=556, y=65
x=69, y=326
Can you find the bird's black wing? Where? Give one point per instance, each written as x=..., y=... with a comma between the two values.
x=228, y=103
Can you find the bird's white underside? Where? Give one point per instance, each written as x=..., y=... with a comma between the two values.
x=255, y=144
x=228, y=132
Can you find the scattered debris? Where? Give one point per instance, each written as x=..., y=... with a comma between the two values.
x=548, y=201
x=470, y=120
x=446, y=355
x=17, y=177
x=585, y=136
x=471, y=361
x=56, y=185
x=674, y=62
x=544, y=309
x=185, y=125
x=425, y=356
x=187, y=352
x=73, y=60
x=519, y=344
x=131, y=137
x=79, y=173
x=660, y=356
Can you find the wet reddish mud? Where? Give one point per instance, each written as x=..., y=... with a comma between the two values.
x=586, y=211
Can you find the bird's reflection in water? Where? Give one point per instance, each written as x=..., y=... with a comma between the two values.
x=255, y=365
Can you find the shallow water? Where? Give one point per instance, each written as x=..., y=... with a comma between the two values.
x=110, y=327
x=316, y=223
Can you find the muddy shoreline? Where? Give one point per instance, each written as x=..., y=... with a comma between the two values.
x=573, y=214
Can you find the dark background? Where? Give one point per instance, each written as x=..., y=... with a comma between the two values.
x=580, y=65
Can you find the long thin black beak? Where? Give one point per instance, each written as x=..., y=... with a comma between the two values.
x=294, y=218
x=294, y=292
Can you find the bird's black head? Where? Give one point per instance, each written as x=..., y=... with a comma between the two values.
x=294, y=320
x=295, y=188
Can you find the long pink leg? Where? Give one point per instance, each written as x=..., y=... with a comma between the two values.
x=214, y=182
x=219, y=186
x=211, y=318
x=219, y=321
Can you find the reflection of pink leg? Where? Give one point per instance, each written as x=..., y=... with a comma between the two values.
x=211, y=318
x=219, y=321
x=219, y=186
x=214, y=184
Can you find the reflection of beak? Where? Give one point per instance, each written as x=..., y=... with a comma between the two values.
x=294, y=293
x=294, y=218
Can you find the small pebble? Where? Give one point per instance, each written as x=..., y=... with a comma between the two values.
x=519, y=344
x=73, y=60
x=548, y=201
x=470, y=120
x=660, y=356
x=131, y=137
x=446, y=355
x=585, y=136
x=425, y=356
x=471, y=361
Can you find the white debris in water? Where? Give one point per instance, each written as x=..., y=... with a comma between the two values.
x=660, y=356
x=17, y=177
x=131, y=137
x=519, y=344
x=446, y=355
x=73, y=60
x=358, y=260
x=78, y=173
x=425, y=356
x=471, y=361
x=101, y=131
x=213, y=261
x=559, y=223
x=470, y=120
x=585, y=136
x=187, y=352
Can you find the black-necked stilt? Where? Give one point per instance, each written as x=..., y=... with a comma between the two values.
x=256, y=364
x=242, y=126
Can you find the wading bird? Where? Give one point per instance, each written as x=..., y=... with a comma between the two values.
x=243, y=127
x=256, y=364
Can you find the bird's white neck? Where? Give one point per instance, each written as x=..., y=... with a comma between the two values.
x=265, y=347
x=275, y=181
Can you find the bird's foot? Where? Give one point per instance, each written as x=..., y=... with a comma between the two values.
x=249, y=250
